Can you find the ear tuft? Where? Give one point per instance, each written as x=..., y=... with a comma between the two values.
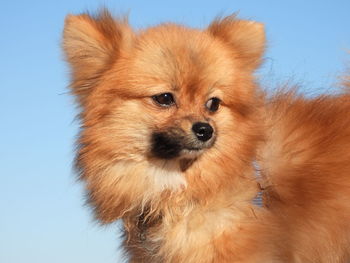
x=247, y=38
x=91, y=44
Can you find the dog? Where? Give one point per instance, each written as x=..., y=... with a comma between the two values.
x=173, y=126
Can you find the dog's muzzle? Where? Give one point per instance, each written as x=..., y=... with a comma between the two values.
x=174, y=142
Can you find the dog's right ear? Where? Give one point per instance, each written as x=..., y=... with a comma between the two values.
x=246, y=38
x=91, y=44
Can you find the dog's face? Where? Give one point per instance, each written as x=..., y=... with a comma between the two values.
x=166, y=96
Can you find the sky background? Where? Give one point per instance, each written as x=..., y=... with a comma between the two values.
x=42, y=214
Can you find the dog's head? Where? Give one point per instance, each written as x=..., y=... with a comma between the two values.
x=158, y=101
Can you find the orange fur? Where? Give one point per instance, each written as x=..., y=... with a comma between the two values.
x=198, y=207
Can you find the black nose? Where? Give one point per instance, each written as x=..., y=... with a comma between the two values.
x=203, y=131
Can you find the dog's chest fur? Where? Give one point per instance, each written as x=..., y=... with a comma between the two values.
x=139, y=238
x=149, y=238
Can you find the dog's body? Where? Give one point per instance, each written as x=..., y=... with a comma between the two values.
x=172, y=122
x=306, y=162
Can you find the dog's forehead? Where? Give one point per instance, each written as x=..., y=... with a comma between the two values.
x=183, y=58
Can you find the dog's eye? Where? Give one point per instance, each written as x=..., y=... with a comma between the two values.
x=213, y=104
x=164, y=99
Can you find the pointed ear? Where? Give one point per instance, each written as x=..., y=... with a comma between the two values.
x=91, y=44
x=247, y=39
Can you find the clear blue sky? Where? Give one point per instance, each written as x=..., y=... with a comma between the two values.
x=42, y=217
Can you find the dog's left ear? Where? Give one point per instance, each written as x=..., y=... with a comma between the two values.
x=91, y=44
x=247, y=39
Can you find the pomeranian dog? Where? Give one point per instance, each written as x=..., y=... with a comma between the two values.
x=172, y=126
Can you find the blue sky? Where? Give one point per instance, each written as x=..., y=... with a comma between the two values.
x=42, y=213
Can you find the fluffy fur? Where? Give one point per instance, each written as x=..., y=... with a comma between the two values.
x=196, y=206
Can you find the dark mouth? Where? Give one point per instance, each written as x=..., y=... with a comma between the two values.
x=167, y=146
